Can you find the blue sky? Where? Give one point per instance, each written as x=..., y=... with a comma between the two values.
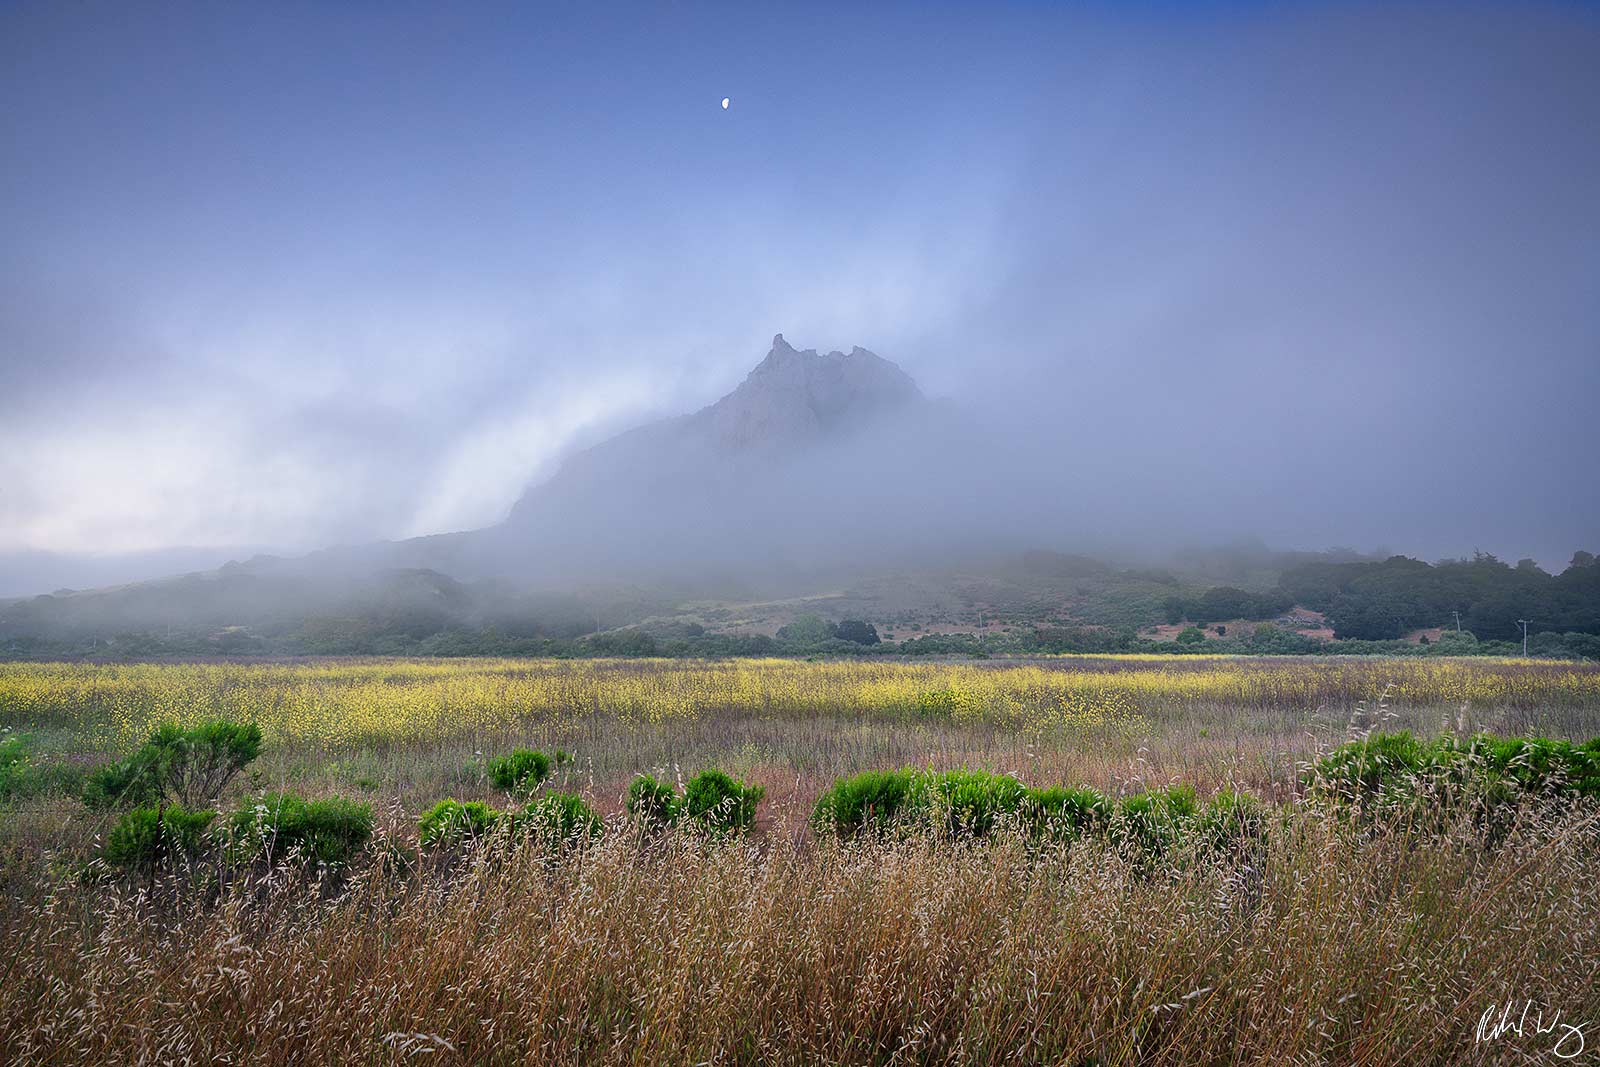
x=296, y=274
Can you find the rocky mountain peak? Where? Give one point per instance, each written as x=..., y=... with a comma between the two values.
x=793, y=397
x=797, y=393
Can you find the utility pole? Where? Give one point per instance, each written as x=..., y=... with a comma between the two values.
x=1524, y=623
x=1457, y=614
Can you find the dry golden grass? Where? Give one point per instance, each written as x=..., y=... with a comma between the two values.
x=1332, y=946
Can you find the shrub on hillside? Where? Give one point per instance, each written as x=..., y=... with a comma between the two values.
x=630, y=642
x=856, y=631
x=806, y=631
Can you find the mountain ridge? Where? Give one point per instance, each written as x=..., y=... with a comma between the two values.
x=795, y=392
x=791, y=399
x=751, y=464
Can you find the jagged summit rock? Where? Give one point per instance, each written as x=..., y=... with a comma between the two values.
x=792, y=399
x=796, y=393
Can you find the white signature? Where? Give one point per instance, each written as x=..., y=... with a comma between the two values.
x=1497, y=1022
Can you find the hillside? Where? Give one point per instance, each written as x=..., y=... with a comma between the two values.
x=824, y=488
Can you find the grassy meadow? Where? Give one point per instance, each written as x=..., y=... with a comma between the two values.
x=409, y=731
x=1328, y=939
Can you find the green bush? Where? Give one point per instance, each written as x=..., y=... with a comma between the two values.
x=560, y=818
x=806, y=631
x=14, y=765
x=856, y=631
x=519, y=773
x=974, y=804
x=128, y=783
x=1363, y=769
x=1535, y=764
x=1064, y=813
x=450, y=823
x=185, y=766
x=872, y=800
x=21, y=776
x=1231, y=822
x=961, y=803
x=1396, y=770
x=1155, y=821
x=653, y=804
x=148, y=837
x=967, y=803
x=720, y=804
x=328, y=831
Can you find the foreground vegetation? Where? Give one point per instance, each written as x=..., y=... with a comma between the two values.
x=1320, y=940
x=1103, y=859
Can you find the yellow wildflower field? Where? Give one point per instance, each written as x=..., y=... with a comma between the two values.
x=338, y=703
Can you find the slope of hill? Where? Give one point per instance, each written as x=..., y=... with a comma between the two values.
x=823, y=485
x=725, y=502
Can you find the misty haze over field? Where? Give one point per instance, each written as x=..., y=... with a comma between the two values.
x=267, y=282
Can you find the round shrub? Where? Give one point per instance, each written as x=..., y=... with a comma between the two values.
x=519, y=773
x=1396, y=773
x=962, y=803
x=187, y=766
x=653, y=804
x=560, y=818
x=721, y=804
x=148, y=837
x=1378, y=764
x=328, y=831
x=871, y=800
x=1232, y=822
x=1153, y=822
x=451, y=823
x=1064, y=813
x=967, y=803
